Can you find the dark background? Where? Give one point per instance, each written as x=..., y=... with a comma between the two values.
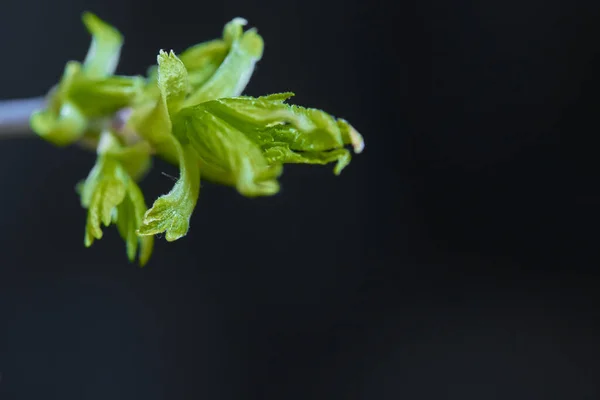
x=455, y=259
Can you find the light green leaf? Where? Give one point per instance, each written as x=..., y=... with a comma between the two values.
x=269, y=118
x=203, y=60
x=234, y=30
x=284, y=133
x=152, y=120
x=351, y=136
x=99, y=97
x=111, y=196
x=226, y=155
x=136, y=158
x=171, y=212
x=60, y=129
x=130, y=214
x=202, y=54
x=103, y=56
x=172, y=80
x=62, y=122
x=281, y=153
x=101, y=193
x=233, y=74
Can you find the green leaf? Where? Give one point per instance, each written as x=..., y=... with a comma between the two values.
x=171, y=212
x=103, y=56
x=232, y=75
x=198, y=56
x=281, y=153
x=226, y=155
x=130, y=215
x=62, y=129
x=152, y=120
x=284, y=133
x=172, y=80
x=111, y=196
x=87, y=91
x=203, y=60
x=103, y=190
x=62, y=122
x=99, y=97
x=135, y=159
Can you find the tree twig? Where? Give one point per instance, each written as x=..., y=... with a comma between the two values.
x=14, y=116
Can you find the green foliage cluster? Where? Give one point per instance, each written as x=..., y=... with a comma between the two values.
x=188, y=110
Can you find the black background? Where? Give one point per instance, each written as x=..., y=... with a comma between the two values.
x=456, y=258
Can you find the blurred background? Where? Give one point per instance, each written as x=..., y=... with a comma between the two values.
x=456, y=258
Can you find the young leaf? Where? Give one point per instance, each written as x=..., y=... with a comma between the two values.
x=233, y=74
x=103, y=56
x=281, y=153
x=105, y=96
x=87, y=91
x=188, y=112
x=172, y=80
x=284, y=133
x=60, y=129
x=61, y=122
x=203, y=60
x=135, y=159
x=129, y=218
x=152, y=120
x=270, y=119
x=103, y=190
x=226, y=155
x=171, y=213
x=111, y=196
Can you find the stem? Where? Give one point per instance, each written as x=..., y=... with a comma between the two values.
x=14, y=116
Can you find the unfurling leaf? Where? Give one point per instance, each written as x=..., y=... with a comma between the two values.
x=129, y=218
x=111, y=196
x=188, y=110
x=225, y=154
x=104, y=96
x=101, y=193
x=103, y=56
x=61, y=122
x=171, y=212
x=232, y=75
x=244, y=141
x=87, y=91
